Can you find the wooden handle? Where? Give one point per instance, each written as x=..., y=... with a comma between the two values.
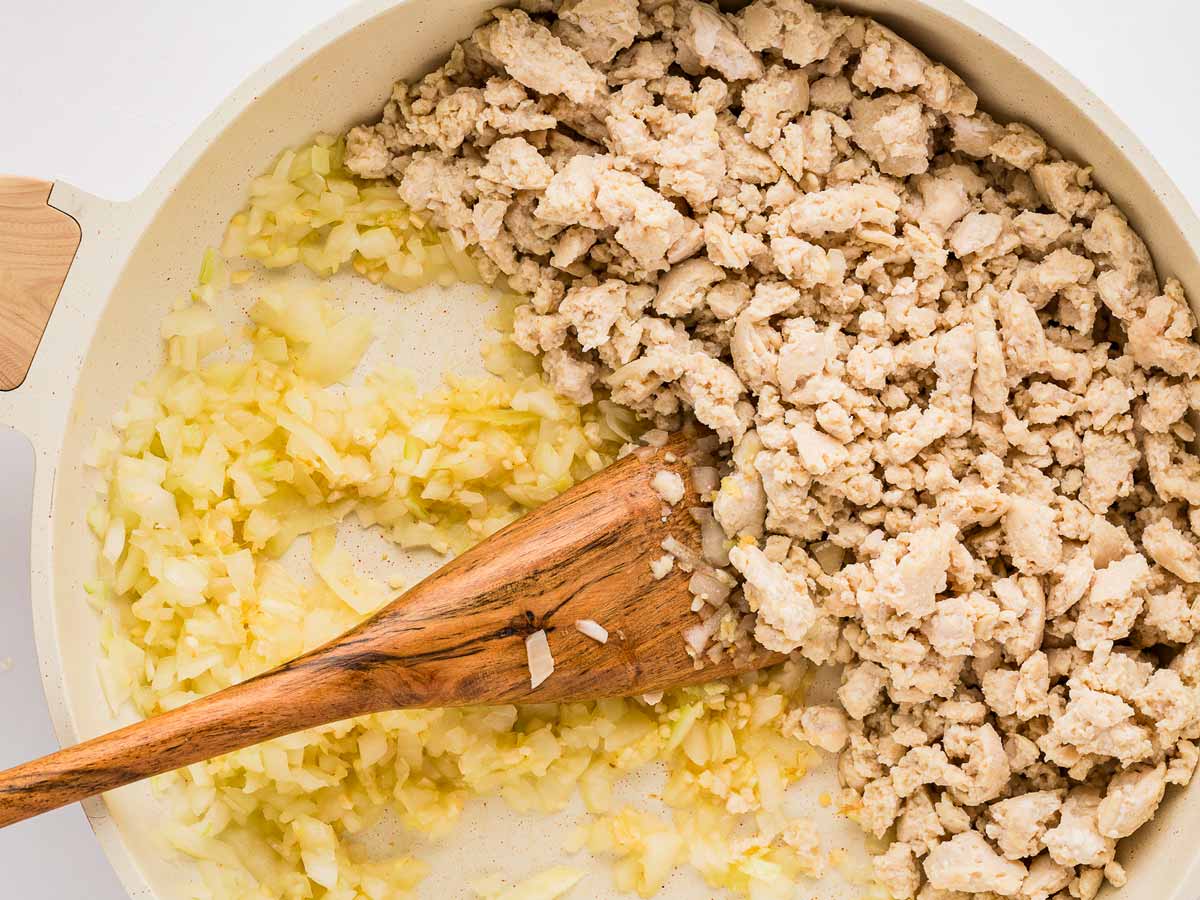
x=237, y=717
x=37, y=245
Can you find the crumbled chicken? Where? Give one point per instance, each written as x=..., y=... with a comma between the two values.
x=967, y=862
x=740, y=505
x=1018, y=823
x=1076, y=839
x=1170, y=548
x=661, y=566
x=779, y=597
x=862, y=689
x=1132, y=797
x=599, y=29
x=896, y=869
x=1110, y=608
x=1046, y=877
x=893, y=129
x=531, y=54
x=825, y=727
x=668, y=485
x=950, y=393
x=709, y=39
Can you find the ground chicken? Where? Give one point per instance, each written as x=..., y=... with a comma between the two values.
x=824, y=727
x=540, y=61
x=1132, y=797
x=1076, y=839
x=598, y=29
x=949, y=396
x=785, y=612
x=1018, y=823
x=968, y=863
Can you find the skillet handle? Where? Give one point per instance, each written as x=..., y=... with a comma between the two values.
x=37, y=246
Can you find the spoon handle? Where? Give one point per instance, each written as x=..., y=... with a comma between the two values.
x=237, y=717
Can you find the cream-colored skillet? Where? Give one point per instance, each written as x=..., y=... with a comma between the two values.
x=133, y=258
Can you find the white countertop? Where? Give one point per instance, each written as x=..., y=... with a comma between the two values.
x=101, y=95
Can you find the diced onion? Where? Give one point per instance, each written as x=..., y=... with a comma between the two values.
x=706, y=479
x=594, y=630
x=687, y=558
x=710, y=587
x=697, y=636
x=547, y=885
x=828, y=555
x=714, y=545
x=655, y=437
x=114, y=541
x=541, y=662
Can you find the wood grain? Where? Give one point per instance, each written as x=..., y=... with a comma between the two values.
x=37, y=244
x=457, y=638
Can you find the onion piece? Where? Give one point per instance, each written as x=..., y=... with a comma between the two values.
x=697, y=636
x=655, y=437
x=706, y=479
x=593, y=629
x=829, y=556
x=114, y=541
x=687, y=558
x=713, y=542
x=541, y=662
x=707, y=585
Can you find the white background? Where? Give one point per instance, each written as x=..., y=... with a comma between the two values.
x=101, y=95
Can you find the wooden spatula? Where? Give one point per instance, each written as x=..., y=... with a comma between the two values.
x=457, y=638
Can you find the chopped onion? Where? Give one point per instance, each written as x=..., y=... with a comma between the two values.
x=548, y=885
x=541, y=662
x=309, y=210
x=697, y=636
x=114, y=541
x=687, y=558
x=655, y=437
x=594, y=630
x=829, y=556
x=337, y=352
x=710, y=587
x=336, y=569
x=713, y=542
x=706, y=479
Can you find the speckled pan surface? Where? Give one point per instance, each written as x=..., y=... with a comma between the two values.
x=136, y=257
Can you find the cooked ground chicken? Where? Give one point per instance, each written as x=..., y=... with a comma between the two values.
x=950, y=390
x=669, y=486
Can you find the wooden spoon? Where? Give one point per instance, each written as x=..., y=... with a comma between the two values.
x=457, y=638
